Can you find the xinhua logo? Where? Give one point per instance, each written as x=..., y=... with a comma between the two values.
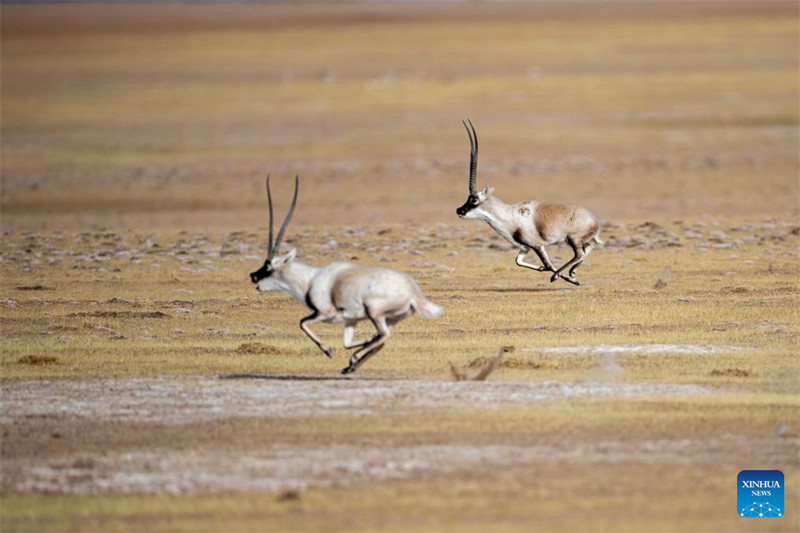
x=760, y=493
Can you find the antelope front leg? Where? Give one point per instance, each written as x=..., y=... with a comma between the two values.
x=520, y=260
x=313, y=318
x=548, y=265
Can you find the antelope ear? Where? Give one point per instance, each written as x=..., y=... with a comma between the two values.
x=485, y=193
x=282, y=260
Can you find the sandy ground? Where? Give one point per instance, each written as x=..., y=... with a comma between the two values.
x=298, y=467
x=184, y=400
x=188, y=400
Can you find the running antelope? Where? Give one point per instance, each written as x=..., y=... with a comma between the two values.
x=532, y=225
x=342, y=293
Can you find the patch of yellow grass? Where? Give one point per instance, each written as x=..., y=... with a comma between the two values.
x=182, y=313
x=185, y=120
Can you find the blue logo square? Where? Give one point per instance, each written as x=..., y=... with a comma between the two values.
x=760, y=494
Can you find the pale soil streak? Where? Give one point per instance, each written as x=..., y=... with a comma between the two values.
x=184, y=400
x=177, y=400
x=696, y=349
x=292, y=467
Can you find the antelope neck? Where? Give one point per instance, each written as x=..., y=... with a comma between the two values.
x=495, y=212
x=295, y=279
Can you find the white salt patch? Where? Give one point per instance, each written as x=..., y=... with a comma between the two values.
x=634, y=348
x=300, y=467
x=183, y=400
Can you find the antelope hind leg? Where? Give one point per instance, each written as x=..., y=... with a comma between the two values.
x=348, y=335
x=371, y=348
x=571, y=264
x=362, y=358
x=540, y=251
x=587, y=248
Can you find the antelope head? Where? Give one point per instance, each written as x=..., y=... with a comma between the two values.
x=475, y=198
x=268, y=277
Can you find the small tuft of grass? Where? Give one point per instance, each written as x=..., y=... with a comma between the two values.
x=733, y=373
x=38, y=360
x=120, y=314
x=258, y=348
x=33, y=288
x=288, y=495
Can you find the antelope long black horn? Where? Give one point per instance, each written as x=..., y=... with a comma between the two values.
x=473, y=155
x=269, y=201
x=289, y=215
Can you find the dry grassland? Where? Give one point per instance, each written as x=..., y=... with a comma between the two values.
x=147, y=387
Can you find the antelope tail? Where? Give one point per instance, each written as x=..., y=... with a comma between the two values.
x=426, y=308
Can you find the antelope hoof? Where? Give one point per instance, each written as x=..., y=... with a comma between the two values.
x=348, y=370
x=554, y=277
x=329, y=352
x=570, y=280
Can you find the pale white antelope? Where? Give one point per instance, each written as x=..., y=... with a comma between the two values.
x=532, y=225
x=342, y=293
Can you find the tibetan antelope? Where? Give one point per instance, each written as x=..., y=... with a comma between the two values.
x=532, y=225
x=342, y=293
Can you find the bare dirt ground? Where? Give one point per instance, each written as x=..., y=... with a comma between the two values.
x=192, y=400
x=147, y=387
x=177, y=400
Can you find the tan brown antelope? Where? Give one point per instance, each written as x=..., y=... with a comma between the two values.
x=342, y=293
x=532, y=225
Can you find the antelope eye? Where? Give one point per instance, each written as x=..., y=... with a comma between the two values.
x=473, y=201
